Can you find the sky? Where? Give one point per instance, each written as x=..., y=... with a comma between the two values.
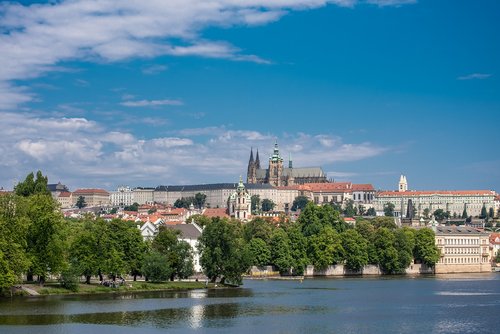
x=103, y=93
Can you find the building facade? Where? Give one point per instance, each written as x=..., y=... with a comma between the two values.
x=92, y=197
x=339, y=193
x=278, y=175
x=240, y=203
x=454, y=201
x=123, y=196
x=462, y=250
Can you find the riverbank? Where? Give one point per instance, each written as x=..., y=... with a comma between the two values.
x=54, y=288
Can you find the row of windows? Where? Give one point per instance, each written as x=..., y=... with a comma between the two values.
x=461, y=250
x=474, y=241
x=461, y=260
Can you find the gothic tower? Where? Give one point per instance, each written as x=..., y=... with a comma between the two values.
x=251, y=171
x=275, y=171
x=403, y=184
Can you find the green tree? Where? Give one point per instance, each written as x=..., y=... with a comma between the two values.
x=259, y=252
x=258, y=228
x=491, y=213
x=386, y=252
x=440, y=214
x=281, y=252
x=179, y=256
x=426, y=212
x=298, y=249
x=325, y=248
x=31, y=186
x=255, y=206
x=404, y=242
x=389, y=210
x=361, y=210
x=221, y=246
x=425, y=250
x=184, y=202
x=199, y=200
x=267, y=205
x=465, y=214
x=84, y=253
x=329, y=217
x=355, y=250
x=44, y=239
x=387, y=222
x=484, y=212
x=7, y=277
x=299, y=203
x=309, y=221
x=200, y=220
x=132, y=207
x=350, y=209
x=80, y=202
x=371, y=212
x=156, y=267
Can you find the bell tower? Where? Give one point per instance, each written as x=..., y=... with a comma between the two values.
x=275, y=167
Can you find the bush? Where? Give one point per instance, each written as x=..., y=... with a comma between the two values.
x=69, y=279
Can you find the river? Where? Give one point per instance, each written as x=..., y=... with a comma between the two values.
x=429, y=304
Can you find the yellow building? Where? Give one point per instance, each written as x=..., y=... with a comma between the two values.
x=463, y=250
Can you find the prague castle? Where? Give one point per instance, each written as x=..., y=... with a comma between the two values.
x=278, y=176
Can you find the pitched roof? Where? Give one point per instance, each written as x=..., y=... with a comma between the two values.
x=188, y=231
x=463, y=230
x=215, y=212
x=65, y=194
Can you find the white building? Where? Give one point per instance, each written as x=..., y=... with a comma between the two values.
x=143, y=195
x=123, y=196
x=240, y=203
x=454, y=201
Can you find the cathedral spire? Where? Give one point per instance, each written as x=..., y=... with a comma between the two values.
x=251, y=156
x=257, y=160
x=290, y=164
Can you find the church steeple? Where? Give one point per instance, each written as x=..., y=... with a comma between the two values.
x=257, y=160
x=251, y=156
x=290, y=164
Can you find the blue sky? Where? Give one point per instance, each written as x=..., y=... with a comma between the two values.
x=100, y=93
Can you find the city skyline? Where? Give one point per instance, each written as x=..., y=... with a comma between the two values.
x=102, y=94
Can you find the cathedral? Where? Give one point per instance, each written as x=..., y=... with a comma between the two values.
x=277, y=175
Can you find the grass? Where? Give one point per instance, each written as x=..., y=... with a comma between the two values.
x=53, y=288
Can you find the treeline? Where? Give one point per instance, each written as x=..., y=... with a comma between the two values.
x=37, y=242
x=320, y=237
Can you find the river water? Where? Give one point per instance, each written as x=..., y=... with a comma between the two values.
x=431, y=304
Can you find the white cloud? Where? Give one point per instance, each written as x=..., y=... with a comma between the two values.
x=392, y=3
x=82, y=152
x=152, y=103
x=472, y=76
x=154, y=69
x=37, y=38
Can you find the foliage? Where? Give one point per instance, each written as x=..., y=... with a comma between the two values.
x=133, y=207
x=80, y=202
x=386, y=252
x=281, y=252
x=309, y=221
x=156, y=267
x=298, y=249
x=255, y=200
x=258, y=228
x=178, y=253
x=267, y=205
x=371, y=212
x=325, y=248
x=7, y=275
x=426, y=212
x=350, y=209
x=355, y=250
x=200, y=220
x=299, y=203
x=31, y=186
x=259, y=252
x=69, y=279
x=404, y=243
x=199, y=200
x=440, y=214
x=387, y=222
x=389, y=210
x=425, y=249
x=464, y=213
x=222, y=251
x=484, y=212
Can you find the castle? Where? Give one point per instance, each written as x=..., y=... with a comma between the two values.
x=277, y=175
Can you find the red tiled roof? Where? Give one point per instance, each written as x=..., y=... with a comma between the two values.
x=362, y=187
x=91, y=191
x=216, y=212
x=65, y=194
x=493, y=237
x=436, y=192
x=330, y=187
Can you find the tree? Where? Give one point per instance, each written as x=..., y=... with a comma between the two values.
x=80, y=202
x=200, y=220
x=355, y=250
x=31, y=186
x=259, y=252
x=389, y=210
x=404, y=242
x=386, y=252
x=44, y=242
x=484, y=212
x=298, y=249
x=325, y=248
x=367, y=231
x=267, y=205
x=426, y=212
x=258, y=228
x=387, y=222
x=178, y=253
x=299, y=203
x=440, y=214
x=199, y=200
x=156, y=267
x=491, y=213
x=330, y=217
x=361, y=210
x=425, y=250
x=255, y=200
x=465, y=214
x=222, y=251
x=350, y=209
x=133, y=207
x=371, y=212
x=281, y=252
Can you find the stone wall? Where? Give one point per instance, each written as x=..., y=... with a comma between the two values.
x=340, y=270
x=442, y=268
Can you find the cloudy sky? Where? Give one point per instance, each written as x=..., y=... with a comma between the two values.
x=100, y=93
